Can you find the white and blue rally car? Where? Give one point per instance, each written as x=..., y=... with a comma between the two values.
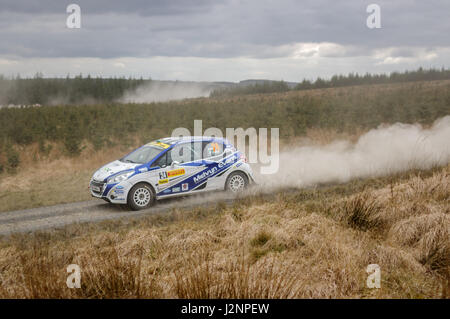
x=171, y=167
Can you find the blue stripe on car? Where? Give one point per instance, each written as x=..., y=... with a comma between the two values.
x=190, y=180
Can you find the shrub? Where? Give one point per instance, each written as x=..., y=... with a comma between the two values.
x=73, y=136
x=260, y=239
x=44, y=148
x=72, y=145
x=13, y=158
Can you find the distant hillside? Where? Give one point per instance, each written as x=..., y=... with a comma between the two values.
x=88, y=90
x=268, y=86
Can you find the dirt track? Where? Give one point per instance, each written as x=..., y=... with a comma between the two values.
x=91, y=211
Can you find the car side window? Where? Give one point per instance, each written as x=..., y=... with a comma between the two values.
x=161, y=161
x=181, y=153
x=197, y=148
x=212, y=150
x=193, y=151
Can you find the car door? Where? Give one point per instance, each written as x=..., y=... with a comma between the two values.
x=213, y=152
x=182, y=162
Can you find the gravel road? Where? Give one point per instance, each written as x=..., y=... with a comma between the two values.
x=41, y=218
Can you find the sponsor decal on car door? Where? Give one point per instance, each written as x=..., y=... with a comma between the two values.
x=173, y=178
x=166, y=176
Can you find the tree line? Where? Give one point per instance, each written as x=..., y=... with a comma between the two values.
x=90, y=90
x=52, y=91
x=336, y=81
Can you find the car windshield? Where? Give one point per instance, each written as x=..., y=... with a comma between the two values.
x=142, y=155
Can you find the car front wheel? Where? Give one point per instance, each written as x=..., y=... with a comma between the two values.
x=140, y=196
x=236, y=182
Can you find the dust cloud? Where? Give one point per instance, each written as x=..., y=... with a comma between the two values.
x=159, y=91
x=379, y=152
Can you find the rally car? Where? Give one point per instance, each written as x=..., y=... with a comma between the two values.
x=171, y=167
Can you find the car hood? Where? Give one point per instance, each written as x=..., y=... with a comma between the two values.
x=112, y=169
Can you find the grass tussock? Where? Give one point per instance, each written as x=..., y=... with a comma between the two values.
x=362, y=211
x=304, y=244
x=429, y=236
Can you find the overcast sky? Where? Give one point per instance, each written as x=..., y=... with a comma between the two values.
x=226, y=40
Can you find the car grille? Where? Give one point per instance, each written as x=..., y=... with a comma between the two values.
x=97, y=184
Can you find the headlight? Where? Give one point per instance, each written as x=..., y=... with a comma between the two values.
x=120, y=177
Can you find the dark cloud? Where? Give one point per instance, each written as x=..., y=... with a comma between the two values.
x=141, y=7
x=220, y=29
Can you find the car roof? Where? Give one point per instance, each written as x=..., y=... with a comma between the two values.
x=184, y=139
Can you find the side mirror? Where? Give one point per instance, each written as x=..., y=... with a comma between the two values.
x=174, y=163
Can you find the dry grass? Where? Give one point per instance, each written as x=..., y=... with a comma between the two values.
x=362, y=211
x=53, y=180
x=305, y=244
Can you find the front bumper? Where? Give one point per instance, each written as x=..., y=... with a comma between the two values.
x=97, y=188
x=113, y=193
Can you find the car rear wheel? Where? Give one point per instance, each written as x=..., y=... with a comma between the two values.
x=236, y=182
x=140, y=196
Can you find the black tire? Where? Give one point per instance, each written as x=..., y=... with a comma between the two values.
x=141, y=196
x=233, y=179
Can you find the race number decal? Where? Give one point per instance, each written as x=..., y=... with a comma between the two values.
x=162, y=175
